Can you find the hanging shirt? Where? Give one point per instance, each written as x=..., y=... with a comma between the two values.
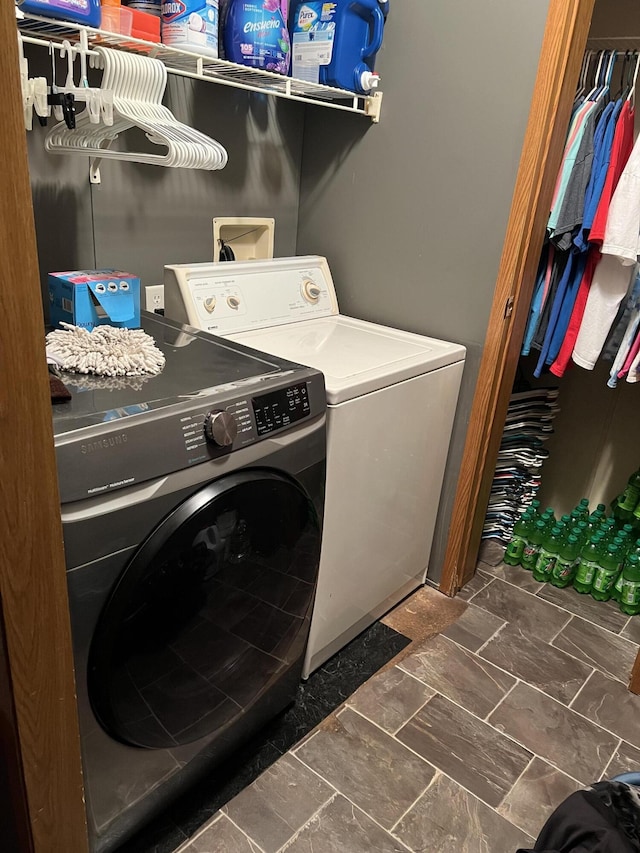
x=538, y=300
x=609, y=286
x=631, y=361
x=566, y=307
x=603, y=142
x=572, y=208
x=568, y=158
x=632, y=375
x=563, y=358
x=619, y=329
x=623, y=223
x=559, y=262
x=620, y=152
x=554, y=313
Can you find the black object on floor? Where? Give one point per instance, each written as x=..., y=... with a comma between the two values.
x=322, y=693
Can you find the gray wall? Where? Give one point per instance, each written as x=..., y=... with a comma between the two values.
x=141, y=217
x=412, y=212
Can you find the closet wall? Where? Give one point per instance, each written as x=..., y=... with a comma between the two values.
x=595, y=446
x=412, y=213
x=142, y=217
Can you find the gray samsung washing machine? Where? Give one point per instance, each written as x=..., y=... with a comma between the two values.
x=191, y=509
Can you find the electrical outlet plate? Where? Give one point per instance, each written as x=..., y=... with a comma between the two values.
x=154, y=297
x=251, y=238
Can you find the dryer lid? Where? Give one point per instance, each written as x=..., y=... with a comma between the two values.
x=355, y=356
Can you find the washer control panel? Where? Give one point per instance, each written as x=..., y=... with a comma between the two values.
x=281, y=408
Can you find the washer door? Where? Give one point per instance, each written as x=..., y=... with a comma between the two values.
x=212, y=609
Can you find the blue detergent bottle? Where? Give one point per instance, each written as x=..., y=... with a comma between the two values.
x=85, y=12
x=336, y=43
x=256, y=35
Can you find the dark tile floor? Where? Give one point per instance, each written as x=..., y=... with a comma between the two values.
x=465, y=742
x=325, y=690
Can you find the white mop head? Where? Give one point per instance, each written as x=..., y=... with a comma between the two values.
x=104, y=351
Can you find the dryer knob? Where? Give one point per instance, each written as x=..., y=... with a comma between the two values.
x=220, y=428
x=311, y=291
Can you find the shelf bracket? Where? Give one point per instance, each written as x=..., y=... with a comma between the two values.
x=373, y=106
x=94, y=170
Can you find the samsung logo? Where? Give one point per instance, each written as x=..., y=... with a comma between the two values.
x=103, y=443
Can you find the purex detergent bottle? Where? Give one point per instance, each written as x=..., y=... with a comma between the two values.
x=336, y=43
x=256, y=35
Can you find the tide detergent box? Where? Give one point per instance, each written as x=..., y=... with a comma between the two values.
x=89, y=298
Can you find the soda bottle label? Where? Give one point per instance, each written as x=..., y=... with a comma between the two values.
x=563, y=568
x=619, y=583
x=630, y=592
x=604, y=580
x=515, y=548
x=545, y=562
x=586, y=571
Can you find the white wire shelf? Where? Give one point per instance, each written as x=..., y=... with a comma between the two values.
x=44, y=31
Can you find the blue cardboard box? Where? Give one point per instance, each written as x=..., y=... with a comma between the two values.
x=90, y=298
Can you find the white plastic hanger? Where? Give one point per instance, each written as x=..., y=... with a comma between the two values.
x=138, y=84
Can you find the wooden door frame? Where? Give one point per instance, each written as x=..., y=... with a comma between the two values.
x=563, y=46
x=42, y=806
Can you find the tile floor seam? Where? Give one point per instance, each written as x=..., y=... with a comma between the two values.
x=245, y=833
x=591, y=665
x=584, y=717
x=625, y=626
x=492, y=637
x=494, y=709
x=201, y=829
x=587, y=679
x=531, y=760
x=619, y=636
x=554, y=638
x=415, y=802
x=486, y=586
x=538, y=596
x=615, y=751
x=307, y=822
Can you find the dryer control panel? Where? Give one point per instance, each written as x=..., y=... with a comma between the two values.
x=227, y=298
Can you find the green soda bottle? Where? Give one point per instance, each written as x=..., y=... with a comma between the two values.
x=606, y=574
x=549, y=520
x=609, y=529
x=566, y=520
x=587, y=565
x=628, y=500
x=616, y=591
x=583, y=507
x=602, y=508
x=565, y=565
x=530, y=552
x=583, y=535
x=547, y=555
x=519, y=538
x=630, y=593
x=535, y=505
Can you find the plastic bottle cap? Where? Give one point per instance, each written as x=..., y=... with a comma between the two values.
x=572, y=539
x=612, y=549
x=369, y=80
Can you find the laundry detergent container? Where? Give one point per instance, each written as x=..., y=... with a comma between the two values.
x=336, y=43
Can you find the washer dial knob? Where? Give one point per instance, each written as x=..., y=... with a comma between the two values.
x=233, y=302
x=311, y=291
x=220, y=428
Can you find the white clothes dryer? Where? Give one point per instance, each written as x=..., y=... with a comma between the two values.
x=391, y=400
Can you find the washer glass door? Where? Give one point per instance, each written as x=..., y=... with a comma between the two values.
x=212, y=609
